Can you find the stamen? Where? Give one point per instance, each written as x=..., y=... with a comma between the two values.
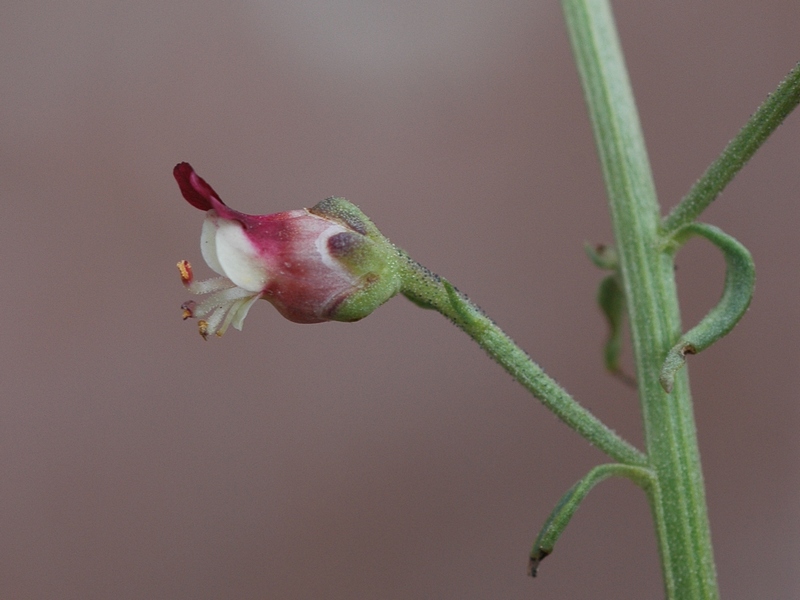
x=225, y=304
x=206, y=286
x=222, y=298
x=185, y=269
x=188, y=309
x=236, y=314
x=213, y=323
x=228, y=317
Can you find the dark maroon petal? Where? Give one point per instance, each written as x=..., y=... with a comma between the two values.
x=194, y=188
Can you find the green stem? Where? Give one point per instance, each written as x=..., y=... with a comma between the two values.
x=431, y=291
x=648, y=281
x=738, y=151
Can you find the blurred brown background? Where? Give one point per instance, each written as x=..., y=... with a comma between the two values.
x=389, y=458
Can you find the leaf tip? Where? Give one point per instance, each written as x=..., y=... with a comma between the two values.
x=675, y=359
x=537, y=556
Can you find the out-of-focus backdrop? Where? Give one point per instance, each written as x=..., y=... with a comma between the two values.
x=388, y=458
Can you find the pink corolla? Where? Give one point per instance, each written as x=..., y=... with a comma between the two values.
x=326, y=263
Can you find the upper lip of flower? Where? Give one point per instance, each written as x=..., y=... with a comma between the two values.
x=194, y=188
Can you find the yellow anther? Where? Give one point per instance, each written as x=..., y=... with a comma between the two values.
x=186, y=271
x=202, y=327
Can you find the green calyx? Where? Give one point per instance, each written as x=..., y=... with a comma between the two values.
x=368, y=256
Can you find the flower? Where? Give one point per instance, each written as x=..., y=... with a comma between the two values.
x=326, y=263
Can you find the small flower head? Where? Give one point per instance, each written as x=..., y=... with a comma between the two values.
x=327, y=263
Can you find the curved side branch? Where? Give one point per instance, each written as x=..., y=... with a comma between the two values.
x=738, y=291
x=428, y=290
x=562, y=514
x=758, y=128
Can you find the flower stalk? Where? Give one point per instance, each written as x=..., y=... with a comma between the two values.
x=428, y=290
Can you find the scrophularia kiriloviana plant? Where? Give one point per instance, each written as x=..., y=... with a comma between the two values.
x=331, y=263
x=326, y=263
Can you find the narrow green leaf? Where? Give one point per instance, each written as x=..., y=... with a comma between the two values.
x=738, y=291
x=611, y=299
x=562, y=514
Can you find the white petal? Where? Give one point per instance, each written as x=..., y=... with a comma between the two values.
x=233, y=311
x=208, y=242
x=238, y=257
x=240, y=312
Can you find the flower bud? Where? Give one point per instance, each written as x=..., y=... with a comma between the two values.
x=326, y=263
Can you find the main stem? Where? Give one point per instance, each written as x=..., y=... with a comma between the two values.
x=649, y=284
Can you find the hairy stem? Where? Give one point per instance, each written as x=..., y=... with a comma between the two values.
x=738, y=151
x=651, y=297
x=431, y=291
